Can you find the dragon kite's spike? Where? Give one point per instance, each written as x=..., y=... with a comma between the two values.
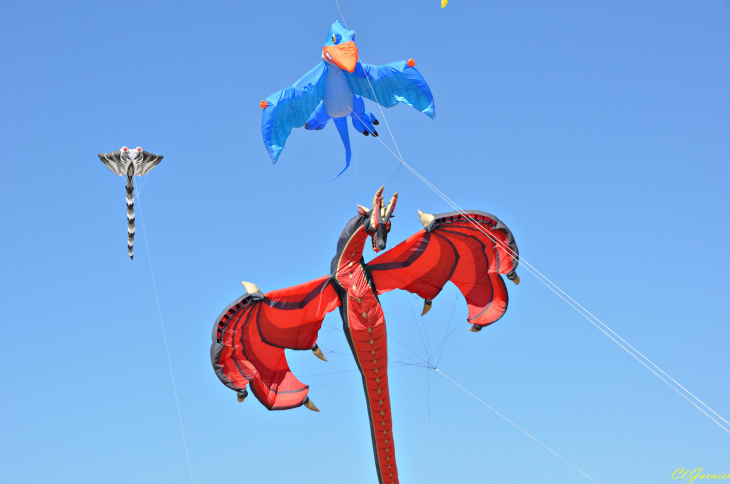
x=426, y=218
x=318, y=353
x=311, y=406
x=250, y=287
x=427, y=303
x=130, y=211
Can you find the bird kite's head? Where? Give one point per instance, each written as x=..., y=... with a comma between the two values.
x=340, y=48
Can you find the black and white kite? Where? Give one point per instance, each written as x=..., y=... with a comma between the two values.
x=130, y=163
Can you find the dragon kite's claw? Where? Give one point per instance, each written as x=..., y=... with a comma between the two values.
x=427, y=303
x=242, y=394
x=318, y=353
x=311, y=406
x=375, y=133
x=516, y=280
x=366, y=133
x=475, y=328
x=376, y=122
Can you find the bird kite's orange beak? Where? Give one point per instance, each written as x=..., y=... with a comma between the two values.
x=343, y=55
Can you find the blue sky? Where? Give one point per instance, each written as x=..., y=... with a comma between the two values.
x=599, y=132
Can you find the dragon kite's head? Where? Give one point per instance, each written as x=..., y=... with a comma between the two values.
x=379, y=224
x=340, y=48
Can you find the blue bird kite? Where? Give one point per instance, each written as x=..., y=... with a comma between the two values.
x=334, y=90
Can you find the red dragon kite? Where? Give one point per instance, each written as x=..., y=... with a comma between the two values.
x=471, y=249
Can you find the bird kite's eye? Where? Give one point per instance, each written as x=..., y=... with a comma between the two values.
x=139, y=149
x=354, y=34
x=334, y=39
x=124, y=148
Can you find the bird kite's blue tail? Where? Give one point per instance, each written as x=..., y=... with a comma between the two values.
x=341, y=124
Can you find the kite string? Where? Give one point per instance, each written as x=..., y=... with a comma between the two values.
x=542, y=278
x=446, y=333
x=516, y=426
x=548, y=283
x=428, y=396
x=374, y=94
x=164, y=336
x=525, y=263
x=425, y=348
x=343, y=17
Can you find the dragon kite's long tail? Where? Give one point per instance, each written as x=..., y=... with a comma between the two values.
x=130, y=212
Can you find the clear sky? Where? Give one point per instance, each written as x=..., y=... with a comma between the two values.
x=598, y=131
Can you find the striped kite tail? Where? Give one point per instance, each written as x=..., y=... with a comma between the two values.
x=130, y=216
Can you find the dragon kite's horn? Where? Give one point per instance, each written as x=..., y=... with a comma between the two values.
x=130, y=213
x=376, y=199
x=391, y=206
x=376, y=215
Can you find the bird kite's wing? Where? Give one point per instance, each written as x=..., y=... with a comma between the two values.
x=393, y=83
x=250, y=335
x=291, y=108
x=454, y=249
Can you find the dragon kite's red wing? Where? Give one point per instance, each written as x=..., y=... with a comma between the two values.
x=470, y=253
x=291, y=317
x=249, y=338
